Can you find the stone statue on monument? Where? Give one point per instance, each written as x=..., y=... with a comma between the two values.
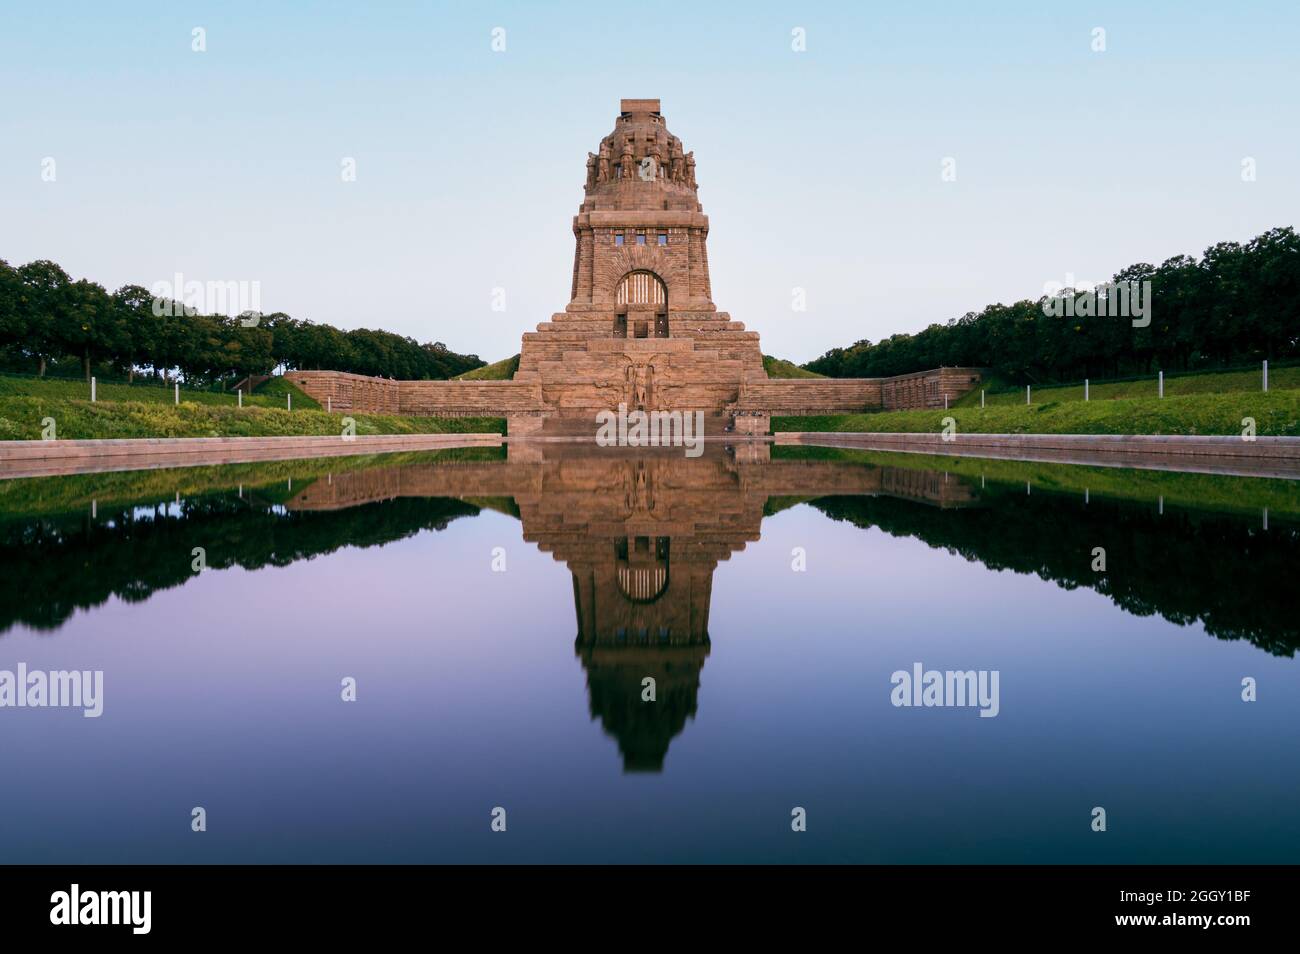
x=657, y=165
x=676, y=161
x=602, y=170
x=642, y=386
x=625, y=161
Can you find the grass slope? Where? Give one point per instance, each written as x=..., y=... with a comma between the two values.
x=1208, y=382
x=138, y=410
x=779, y=368
x=270, y=394
x=502, y=370
x=1276, y=413
x=274, y=390
x=20, y=419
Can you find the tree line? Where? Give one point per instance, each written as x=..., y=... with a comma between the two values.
x=1236, y=304
x=48, y=320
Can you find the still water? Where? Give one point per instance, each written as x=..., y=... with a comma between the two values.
x=500, y=617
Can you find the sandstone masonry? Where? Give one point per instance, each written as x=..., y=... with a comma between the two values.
x=641, y=328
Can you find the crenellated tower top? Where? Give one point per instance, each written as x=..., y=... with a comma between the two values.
x=640, y=165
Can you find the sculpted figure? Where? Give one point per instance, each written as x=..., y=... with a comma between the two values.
x=591, y=169
x=675, y=160
x=690, y=169
x=626, y=159
x=642, y=386
x=602, y=172
x=657, y=156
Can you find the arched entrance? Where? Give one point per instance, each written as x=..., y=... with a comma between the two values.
x=642, y=567
x=641, y=306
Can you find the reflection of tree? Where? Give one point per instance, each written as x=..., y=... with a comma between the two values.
x=52, y=566
x=1185, y=566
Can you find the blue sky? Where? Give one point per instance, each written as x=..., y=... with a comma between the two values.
x=819, y=170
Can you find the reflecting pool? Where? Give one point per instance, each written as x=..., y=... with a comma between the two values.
x=645, y=657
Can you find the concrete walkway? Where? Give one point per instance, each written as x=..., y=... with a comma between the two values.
x=1262, y=457
x=53, y=458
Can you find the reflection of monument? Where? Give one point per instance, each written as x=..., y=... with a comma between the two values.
x=642, y=534
x=642, y=537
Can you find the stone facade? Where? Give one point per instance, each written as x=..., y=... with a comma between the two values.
x=641, y=328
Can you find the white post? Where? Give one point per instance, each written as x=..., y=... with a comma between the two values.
x=1027, y=394
x=1085, y=389
x=240, y=397
x=1162, y=505
x=1162, y=384
x=288, y=401
x=945, y=402
x=1265, y=518
x=178, y=393
x=1266, y=374
x=92, y=389
x=981, y=397
x=329, y=405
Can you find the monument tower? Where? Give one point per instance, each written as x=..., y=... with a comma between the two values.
x=640, y=328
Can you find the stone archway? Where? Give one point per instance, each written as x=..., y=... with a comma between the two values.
x=641, y=567
x=641, y=306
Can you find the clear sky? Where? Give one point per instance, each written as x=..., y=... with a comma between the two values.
x=819, y=169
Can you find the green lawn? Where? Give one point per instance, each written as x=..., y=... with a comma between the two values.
x=502, y=370
x=270, y=394
x=1276, y=413
x=139, y=410
x=274, y=391
x=1209, y=382
x=21, y=417
x=780, y=368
